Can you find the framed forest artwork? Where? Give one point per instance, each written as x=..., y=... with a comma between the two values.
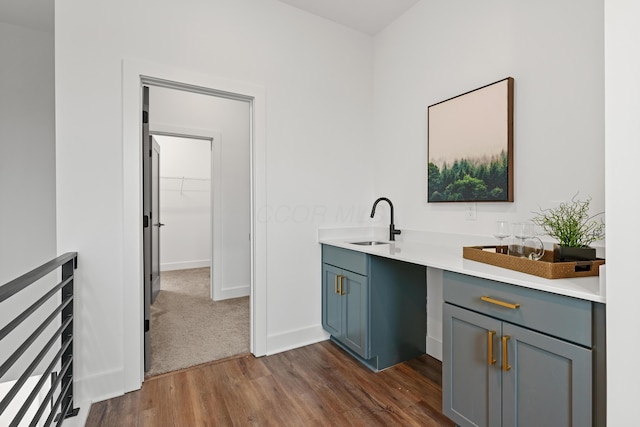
x=470, y=146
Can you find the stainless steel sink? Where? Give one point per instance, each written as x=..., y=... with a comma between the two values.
x=370, y=243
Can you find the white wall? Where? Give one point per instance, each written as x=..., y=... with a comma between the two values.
x=442, y=49
x=622, y=107
x=27, y=175
x=434, y=312
x=317, y=77
x=27, y=146
x=185, y=205
x=553, y=50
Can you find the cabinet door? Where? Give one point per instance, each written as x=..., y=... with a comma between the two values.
x=549, y=383
x=355, y=315
x=331, y=301
x=471, y=389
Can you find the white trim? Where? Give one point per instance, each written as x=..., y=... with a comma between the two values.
x=233, y=292
x=99, y=387
x=83, y=414
x=216, y=218
x=215, y=245
x=184, y=265
x=182, y=132
x=434, y=348
x=296, y=338
x=133, y=73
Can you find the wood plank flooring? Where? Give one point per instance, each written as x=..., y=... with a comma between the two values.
x=317, y=385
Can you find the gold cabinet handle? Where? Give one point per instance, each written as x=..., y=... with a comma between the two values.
x=505, y=353
x=341, y=285
x=490, y=356
x=500, y=303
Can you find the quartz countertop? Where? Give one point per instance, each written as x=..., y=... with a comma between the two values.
x=444, y=251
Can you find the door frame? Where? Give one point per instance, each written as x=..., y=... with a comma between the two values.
x=155, y=210
x=135, y=73
x=215, y=212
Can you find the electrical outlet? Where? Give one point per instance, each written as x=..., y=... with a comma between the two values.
x=470, y=214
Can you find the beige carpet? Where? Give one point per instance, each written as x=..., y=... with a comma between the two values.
x=188, y=328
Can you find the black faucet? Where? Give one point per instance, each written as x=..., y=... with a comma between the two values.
x=392, y=227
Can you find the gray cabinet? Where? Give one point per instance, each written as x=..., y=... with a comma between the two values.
x=519, y=357
x=345, y=312
x=374, y=307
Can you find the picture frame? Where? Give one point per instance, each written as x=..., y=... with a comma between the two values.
x=470, y=146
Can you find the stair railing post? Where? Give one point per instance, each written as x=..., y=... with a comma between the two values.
x=67, y=334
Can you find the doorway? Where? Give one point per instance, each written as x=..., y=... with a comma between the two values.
x=225, y=124
x=185, y=202
x=135, y=74
x=206, y=212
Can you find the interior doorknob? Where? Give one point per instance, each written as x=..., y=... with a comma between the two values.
x=159, y=225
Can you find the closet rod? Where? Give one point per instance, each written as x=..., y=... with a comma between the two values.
x=182, y=179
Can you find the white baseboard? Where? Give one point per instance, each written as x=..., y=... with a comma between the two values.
x=99, y=387
x=184, y=265
x=434, y=348
x=289, y=340
x=81, y=419
x=235, y=292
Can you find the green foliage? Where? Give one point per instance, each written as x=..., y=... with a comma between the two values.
x=468, y=188
x=469, y=180
x=436, y=196
x=571, y=224
x=497, y=194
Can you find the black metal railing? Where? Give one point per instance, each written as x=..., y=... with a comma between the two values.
x=58, y=402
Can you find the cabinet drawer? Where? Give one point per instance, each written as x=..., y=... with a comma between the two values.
x=557, y=315
x=344, y=258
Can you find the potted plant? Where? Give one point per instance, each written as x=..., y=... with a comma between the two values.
x=574, y=228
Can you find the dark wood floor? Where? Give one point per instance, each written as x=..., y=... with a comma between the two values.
x=317, y=385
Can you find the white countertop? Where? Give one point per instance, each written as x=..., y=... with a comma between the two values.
x=444, y=251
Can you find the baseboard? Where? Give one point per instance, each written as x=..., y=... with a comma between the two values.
x=184, y=265
x=434, y=348
x=99, y=387
x=81, y=419
x=236, y=292
x=277, y=343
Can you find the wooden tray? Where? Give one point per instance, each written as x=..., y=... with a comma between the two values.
x=545, y=267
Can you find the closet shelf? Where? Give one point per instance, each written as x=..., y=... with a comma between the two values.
x=182, y=179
